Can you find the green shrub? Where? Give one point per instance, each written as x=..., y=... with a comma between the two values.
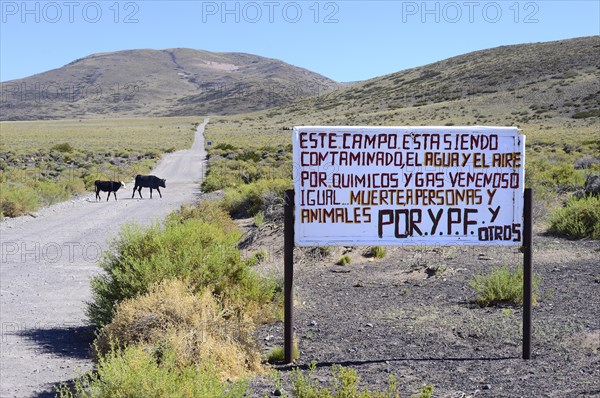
x=236, y=202
x=51, y=192
x=64, y=147
x=200, y=251
x=586, y=114
x=257, y=258
x=225, y=147
x=377, y=252
x=19, y=195
x=502, y=286
x=259, y=218
x=426, y=392
x=152, y=154
x=345, y=260
x=250, y=199
x=249, y=155
x=277, y=353
x=579, y=219
x=72, y=185
x=230, y=167
x=261, y=255
x=220, y=176
x=17, y=200
x=208, y=211
x=136, y=373
x=559, y=177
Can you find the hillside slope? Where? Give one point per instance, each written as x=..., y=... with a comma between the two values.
x=169, y=82
x=550, y=90
x=558, y=78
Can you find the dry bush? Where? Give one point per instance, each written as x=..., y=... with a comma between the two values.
x=196, y=327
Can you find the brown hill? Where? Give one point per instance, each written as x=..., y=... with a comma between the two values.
x=539, y=81
x=158, y=83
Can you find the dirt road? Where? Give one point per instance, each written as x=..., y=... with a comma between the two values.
x=48, y=261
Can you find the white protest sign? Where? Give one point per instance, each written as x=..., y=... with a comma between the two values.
x=408, y=185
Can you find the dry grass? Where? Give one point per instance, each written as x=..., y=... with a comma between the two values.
x=99, y=134
x=196, y=327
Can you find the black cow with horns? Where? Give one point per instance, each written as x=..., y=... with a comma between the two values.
x=152, y=182
x=108, y=186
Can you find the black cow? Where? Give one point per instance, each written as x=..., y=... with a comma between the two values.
x=108, y=186
x=152, y=182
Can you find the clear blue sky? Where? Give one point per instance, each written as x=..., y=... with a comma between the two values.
x=344, y=40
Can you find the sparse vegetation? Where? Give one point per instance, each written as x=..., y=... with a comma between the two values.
x=138, y=83
x=345, y=384
x=250, y=199
x=426, y=392
x=502, y=286
x=276, y=354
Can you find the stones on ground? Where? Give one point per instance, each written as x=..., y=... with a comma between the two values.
x=313, y=323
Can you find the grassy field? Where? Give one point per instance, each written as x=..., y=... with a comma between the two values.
x=99, y=134
x=44, y=162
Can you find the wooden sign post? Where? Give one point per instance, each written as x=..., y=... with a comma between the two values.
x=527, y=271
x=288, y=276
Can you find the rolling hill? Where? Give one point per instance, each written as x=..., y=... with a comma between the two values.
x=171, y=82
x=519, y=82
x=551, y=90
